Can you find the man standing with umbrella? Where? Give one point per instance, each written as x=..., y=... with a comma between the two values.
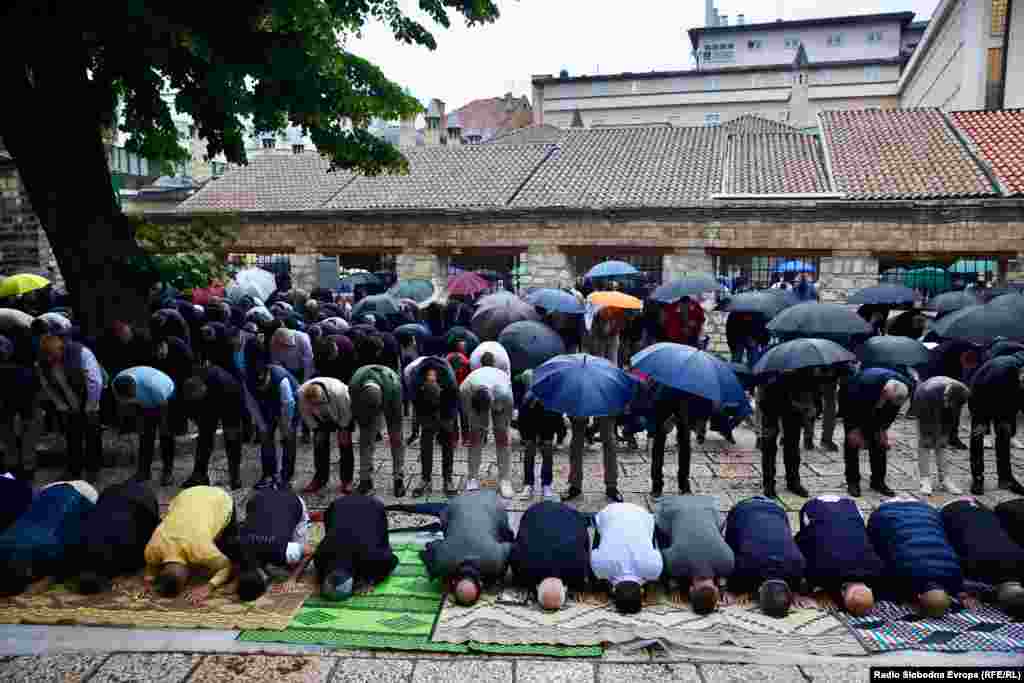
x=996, y=397
x=870, y=403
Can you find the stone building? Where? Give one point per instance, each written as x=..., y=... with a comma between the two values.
x=876, y=192
x=24, y=247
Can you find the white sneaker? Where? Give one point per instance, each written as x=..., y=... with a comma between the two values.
x=526, y=493
x=926, y=486
x=549, y=493
x=951, y=487
x=473, y=485
x=505, y=488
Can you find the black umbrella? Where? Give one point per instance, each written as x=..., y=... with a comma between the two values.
x=530, y=343
x=802, y=353
x=767, y=303
x=952, y=301
x=825, y=321
x=380, y=305
x=1013, y=301
x=888, y=352
x=981, y=324
x=488, y=322
x=884, y=295
x=671, y=292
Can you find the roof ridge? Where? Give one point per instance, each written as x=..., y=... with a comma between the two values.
x=970, y=147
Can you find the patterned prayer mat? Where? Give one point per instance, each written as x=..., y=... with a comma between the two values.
x=132, y=603
x=513, y=616
x=397, y=614
x=891, y=626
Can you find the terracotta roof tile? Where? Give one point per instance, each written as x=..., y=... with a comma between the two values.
x=446, y=177
x=751, y=123
x=652, y=166
x=271, y=182
x=775, y=164
x=900, y=154
x=998, y=138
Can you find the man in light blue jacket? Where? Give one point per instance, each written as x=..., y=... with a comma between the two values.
x=145, y=393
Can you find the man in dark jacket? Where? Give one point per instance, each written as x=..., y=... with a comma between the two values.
x=870, y=402
x=788, y=402
x=920, y=563
x=215, y=397
x=688, y=529
x=430, y=383
x=537, y=429
x=767, y=559
x=957, y=360
x=335, y=356
x=22, y=405
x=551, y=552
x=272, y=537
x=174, y=357
x=275, y=395
x=997, y=395
x=1011, y=516
x=355, y=546
x=671, y=403
x=115, y=534
x=840, y=558
x=987, y=552
x=15, y=497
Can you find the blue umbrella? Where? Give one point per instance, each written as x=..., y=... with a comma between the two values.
x=581, y=385
x=795, y=267
x=555, y=300
x=612, y=269
x=529, y=344
x=884, y=295
x=412, y=330
x=691, y=370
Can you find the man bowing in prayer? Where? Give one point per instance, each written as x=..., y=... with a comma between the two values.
x=272, y=537
x=552, y=552
x=624, y=553
x=355, y=546
x=692, y=547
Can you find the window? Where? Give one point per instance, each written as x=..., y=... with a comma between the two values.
x=792, y=43
x=268, y=143
x=719, y=53
x=712, y=119
x=714, y=84
x=760, y=272
x=755, y=44
x=875, y=36
x=599, y=88
x=872, y=73
x=298, y=149
x=835, y=40
x=649, y=264
x=932, y=278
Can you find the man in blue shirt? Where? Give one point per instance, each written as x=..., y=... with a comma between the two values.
x=274, y=409
x=145, y=392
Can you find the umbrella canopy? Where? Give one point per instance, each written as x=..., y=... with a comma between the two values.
x=931, y=279
x=417, y=290
x=795, y=267
x=612, y=269
x=884, y=295
x=412, y=330
x=529, y=344
x=690, y=370
x=555, y=301
x=768, y=303
x=1013, y=301
x=615, y=300
x=826, y=321
x=974, y=266
x=952, y=301
x=981, y=324
x=488, y=322
x=894, y=274
x=22, y=283
x=581, y=385
x=467, y=284
x=366, y=280
x=802, y=353
x=671, y=292
x=497, y=299
x=458, y=333
x=377, y=304
x=255, y=282
x=889, y=352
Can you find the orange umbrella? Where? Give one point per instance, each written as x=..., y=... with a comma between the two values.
x=615, y=300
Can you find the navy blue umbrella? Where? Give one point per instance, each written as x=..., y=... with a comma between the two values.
x=581, y=385
x=767, y=302
x=981, y=324
x=530, y=343
x=555, y=300
x=489, y=321
x=671, y=292
x=690, y=370
x=892, y=351
x=823, y=321
x=802, y=353
x=612, y=269
x=884, y=295
x=412, y=330
x=952, y=301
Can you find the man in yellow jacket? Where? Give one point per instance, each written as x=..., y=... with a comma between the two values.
x=198, y=533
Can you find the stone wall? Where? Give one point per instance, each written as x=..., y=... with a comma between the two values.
x=305, y=271
x=843, y=274
x=23, y=245
x=545, y=268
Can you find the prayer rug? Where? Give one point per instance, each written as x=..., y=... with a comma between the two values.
x=397, y=614
x=513, y=616
x=891, y=626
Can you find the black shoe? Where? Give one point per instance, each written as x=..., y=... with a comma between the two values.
x=829, y=446
x=399, y=488
x=684, y=487
x=798, y=488
x=730, y=438
x=423, y=489
x=412, y=438
x=573, y=493
x=167, y=478
x=657, y=490
x=700, y=438
x=449, y=488
x=769, y=490
x=808, y=445
x=236, y=483
x=284, y=485
x=757, y=444
x=957, y=444
x=196, y=480
x=1012, y=485
x=142, y=477
x=977, y=486
x=853, y=488
x=365, y=488
x=267, y=482
x=613, y=494
x=882, y=488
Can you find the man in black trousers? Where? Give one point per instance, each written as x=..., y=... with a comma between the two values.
x=355, y=546
x=551, y=552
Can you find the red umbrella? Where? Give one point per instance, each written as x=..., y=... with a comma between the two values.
x=467, y=284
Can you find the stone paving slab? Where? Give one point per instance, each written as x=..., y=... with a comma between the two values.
x=648, y=673
x=359, y=670
x=554, y=672
x=458, y=671
x=231, y=668
x=130, y=668
x=63, y=668
x=744, y=673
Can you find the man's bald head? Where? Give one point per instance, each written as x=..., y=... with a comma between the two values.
x=551, y=593
x=704, y=596
x=467, y=592
x=934, y=603
x=858, y=599
x=895, y=392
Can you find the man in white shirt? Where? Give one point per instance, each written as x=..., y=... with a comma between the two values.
x=486, y=395
x=326, y=407
x=624, y=553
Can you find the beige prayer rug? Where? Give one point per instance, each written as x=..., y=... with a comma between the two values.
x=513, y=616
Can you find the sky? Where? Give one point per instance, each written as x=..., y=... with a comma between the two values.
x=581, y=36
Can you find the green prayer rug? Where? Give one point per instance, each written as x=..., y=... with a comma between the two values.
x=398, y=614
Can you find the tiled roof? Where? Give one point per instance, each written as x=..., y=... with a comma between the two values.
x=900, y=154
x=628, y=167
x=446, y=177
x=271, y=182
x=751, y=123
x=998, y=138
x=774, y=164
x=529, y=135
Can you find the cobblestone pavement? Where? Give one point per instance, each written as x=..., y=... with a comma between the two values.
x=730, y=472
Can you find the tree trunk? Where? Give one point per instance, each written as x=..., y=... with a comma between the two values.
x=51, y=125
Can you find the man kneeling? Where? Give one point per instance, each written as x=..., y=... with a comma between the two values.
x=694, y=551
x=355, y=546
x=551, y=552
x=273, y=536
